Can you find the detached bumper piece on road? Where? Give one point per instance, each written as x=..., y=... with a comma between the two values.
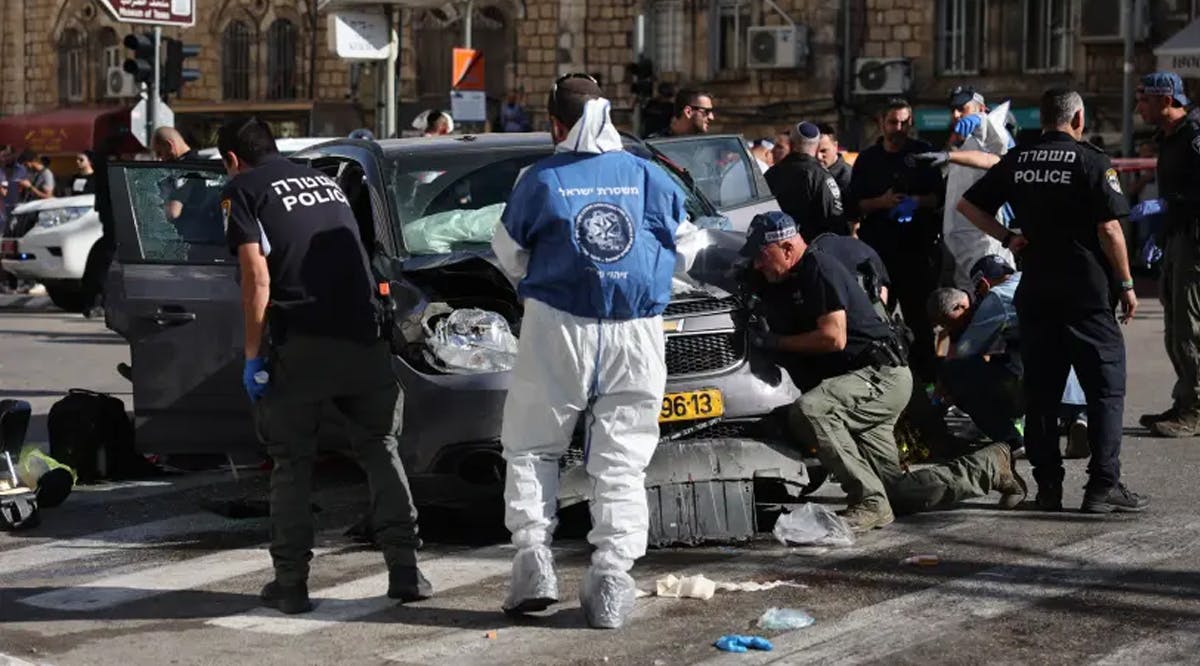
x=709, y=490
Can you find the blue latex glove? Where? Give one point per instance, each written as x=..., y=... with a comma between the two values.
x=903, y=211
x=1147, y=209
x=736, y=643
x=968, y=124
x=253, y=388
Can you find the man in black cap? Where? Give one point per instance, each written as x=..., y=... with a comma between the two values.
x=804, y=189
x=967, y=109
x=1161, y=102
x=820, y=326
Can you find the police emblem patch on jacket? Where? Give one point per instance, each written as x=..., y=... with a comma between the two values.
x=604, y=232
x=1113, y=181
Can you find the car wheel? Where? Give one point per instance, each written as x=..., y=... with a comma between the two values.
x=71, y=298
x=816, y=479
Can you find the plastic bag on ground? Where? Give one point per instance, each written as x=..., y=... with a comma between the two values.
x=473, y=340
x=813, y=525
x=784, y=619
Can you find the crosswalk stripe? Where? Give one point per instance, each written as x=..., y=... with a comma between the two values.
x=1179, y=646
x=365, y=596
x=876, y=632
x=116, y=590
x=140, y=536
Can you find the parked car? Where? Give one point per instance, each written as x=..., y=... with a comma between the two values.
x=427, y=208
x=48, y=241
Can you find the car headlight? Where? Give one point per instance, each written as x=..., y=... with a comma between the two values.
x=52, y=218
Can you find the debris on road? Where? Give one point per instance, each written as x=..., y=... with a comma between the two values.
x=736, y=643
x=785, y=619
x=703, y=588
x=813, y=525
x=921, y=561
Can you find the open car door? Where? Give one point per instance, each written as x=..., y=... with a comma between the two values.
x=722, y=168
x=173, y=295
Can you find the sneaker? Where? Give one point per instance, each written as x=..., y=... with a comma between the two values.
x=287, y=599
x=1119, y=499
x=1049, y=497
x=1008, y=483
x=1185, y=424
x=533, y=587
x=864, y=518
x=408, y=584
x=1077, y=440
x=1148, y=420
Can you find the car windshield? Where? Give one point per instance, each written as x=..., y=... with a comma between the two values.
x=454, y=201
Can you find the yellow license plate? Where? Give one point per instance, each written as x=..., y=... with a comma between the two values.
x=691, y=405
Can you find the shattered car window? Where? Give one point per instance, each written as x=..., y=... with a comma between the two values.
x=177, y=214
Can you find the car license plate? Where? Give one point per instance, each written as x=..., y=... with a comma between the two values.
x=8, y=248
x=691, y=405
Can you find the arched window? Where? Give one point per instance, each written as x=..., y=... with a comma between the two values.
x=281, y=60
x=235, y=60
x=71, y=67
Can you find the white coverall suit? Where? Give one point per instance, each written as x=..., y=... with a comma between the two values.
x=591, y=233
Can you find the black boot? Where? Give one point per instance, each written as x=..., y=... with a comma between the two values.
x=1050, y=489
x=289, y=599
x=406, y=583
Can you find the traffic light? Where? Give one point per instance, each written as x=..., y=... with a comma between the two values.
x=641, y=75
x=141, y=63
x=174, y=73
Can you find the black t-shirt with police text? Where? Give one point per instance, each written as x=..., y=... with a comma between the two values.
x=321, y=282
x=1060, y=191
x=818, y=285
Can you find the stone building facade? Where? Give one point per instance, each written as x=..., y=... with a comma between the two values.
x=271, y=57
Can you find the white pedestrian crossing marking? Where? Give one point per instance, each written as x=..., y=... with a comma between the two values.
x=1178, y=646
x=365, y=596
x=874, y=633
x=140, y=536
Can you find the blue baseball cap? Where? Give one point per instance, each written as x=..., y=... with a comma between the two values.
x=992, y=268
x=1164, y=83
x=767, y=228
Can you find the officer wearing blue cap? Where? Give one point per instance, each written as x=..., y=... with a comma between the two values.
x=804, y=189
x=1161, y=102
x=1068, y=201
x=821, y=327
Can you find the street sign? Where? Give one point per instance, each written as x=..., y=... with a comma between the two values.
x=468, y=70
x=468, y=106
x=180, y=13
x=359, y=34
x=164, y=117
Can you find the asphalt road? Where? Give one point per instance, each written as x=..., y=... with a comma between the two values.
x=145, y=572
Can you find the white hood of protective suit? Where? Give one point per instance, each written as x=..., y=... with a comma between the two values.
x=965, y=242
x=593, y=132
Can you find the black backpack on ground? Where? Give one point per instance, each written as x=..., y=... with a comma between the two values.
x=90, y=432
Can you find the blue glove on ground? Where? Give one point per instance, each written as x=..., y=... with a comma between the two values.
x=736, y=643
x=254, y=389
x=903, y=211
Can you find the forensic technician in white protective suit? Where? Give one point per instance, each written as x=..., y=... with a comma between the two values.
x=590, y=233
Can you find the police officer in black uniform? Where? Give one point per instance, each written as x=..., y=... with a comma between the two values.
x=1162, y=103
x=1067, y=200
x=804, y=189
x=304, y=269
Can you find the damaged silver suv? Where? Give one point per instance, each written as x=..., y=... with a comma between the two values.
x=427, y=208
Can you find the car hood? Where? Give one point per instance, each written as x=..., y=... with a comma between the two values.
x=78, y=201
x=707, y=262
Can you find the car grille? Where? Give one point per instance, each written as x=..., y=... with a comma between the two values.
x=718, y=430
x=700, y=306
x=703, y=352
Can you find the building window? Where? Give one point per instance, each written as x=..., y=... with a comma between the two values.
x=732, y=25
x=110, y=54
x=667, y=35
x=235, y=61
x=1047, y=36
x=960, y=36
x=71, y=67
x=281, y=60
